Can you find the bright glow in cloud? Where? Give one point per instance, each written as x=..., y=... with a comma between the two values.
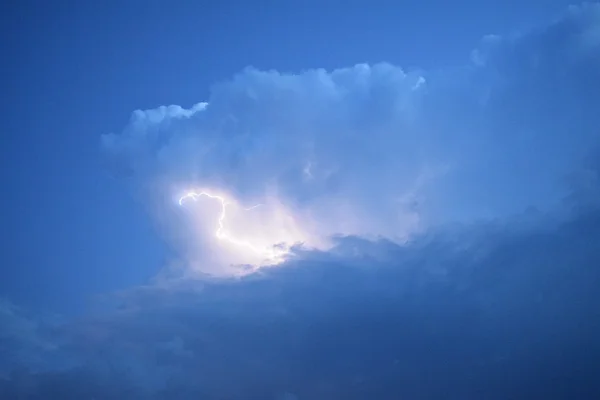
x=224, y=235
x=272, y=254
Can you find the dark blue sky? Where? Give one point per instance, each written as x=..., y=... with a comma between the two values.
x=75, y=70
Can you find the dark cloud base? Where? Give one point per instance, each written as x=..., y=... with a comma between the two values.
x=511, y=313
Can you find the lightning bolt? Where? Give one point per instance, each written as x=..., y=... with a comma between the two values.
x=221, y=233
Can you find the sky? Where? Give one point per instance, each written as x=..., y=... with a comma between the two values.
x=427, y=174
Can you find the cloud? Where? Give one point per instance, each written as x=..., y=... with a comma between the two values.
x=375, y=150
x=488, y=311
x=326, y=148
x=27, y=340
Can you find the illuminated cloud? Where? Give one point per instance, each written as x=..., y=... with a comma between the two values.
x=324, y=150
x=373, y=150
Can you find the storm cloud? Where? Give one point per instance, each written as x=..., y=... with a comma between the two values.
x=463, y=213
